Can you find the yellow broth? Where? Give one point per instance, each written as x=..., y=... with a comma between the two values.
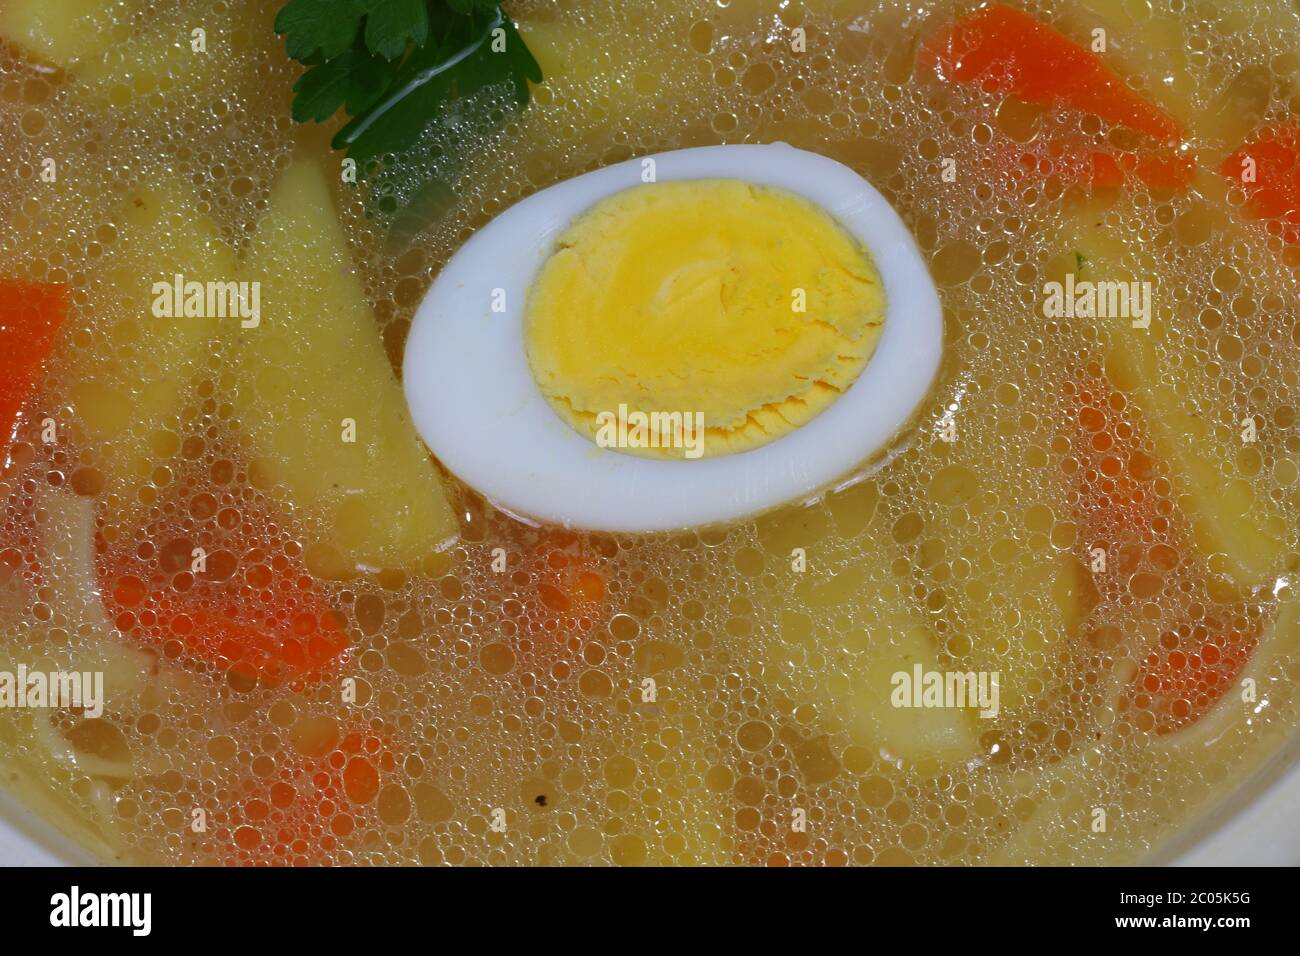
x=713, y=696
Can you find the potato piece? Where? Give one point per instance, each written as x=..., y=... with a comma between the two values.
x=1022, y=594
x=577, y=63
x=1146, y=46
x=577, y=53
x=60, y=32
x=1228, y=516
x=895, y=637
x=943, y=734
x=159, y=58
x=313, y=371
x=127, y=396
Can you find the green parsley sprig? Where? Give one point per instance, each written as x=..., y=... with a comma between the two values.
x=395, y=66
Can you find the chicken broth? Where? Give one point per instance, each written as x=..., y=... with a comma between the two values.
x=318, y=649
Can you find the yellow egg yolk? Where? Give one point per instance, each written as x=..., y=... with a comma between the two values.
x=743, y=308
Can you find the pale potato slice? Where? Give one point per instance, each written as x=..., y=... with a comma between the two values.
x=1230, y=516
x=582, y=54
x=159, y=57
x=314, y=374
x=160, y=60
x=61, y=32
x=1144, y=43
x=942, y=734
x=855, y=685
x=1025, y=590
x=127, y=397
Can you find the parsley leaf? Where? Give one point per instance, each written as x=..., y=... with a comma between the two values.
x=398, y=67
x=353, y=80
x=318, y=26
x=471, y=55
x=469, y=7
x=391, y=24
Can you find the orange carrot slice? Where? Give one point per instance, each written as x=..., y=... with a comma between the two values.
x=255, y=612
x=1194, y=664
x=1193, y=668
x=30, y=316
x=1172, y=172
x=1012, y=165
x=1002, y=50
x=301, y=817
x=1269, y=170
x=559, y=594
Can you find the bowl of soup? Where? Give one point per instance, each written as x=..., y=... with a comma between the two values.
x=565, y=432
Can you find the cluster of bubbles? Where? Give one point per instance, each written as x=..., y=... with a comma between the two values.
x=534, y=696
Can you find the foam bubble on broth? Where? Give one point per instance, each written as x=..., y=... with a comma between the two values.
x=479, y=691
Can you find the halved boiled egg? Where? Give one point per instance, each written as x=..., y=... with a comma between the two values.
x=675, y=340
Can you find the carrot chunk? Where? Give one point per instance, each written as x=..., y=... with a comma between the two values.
x=1194, y=663
x=1172, y=172
x=258, y=616
x=1269, y=170
x=299, y=819
x=30, y=316
x=1002, y=50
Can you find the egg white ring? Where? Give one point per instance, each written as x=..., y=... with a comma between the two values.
x=475, y=402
